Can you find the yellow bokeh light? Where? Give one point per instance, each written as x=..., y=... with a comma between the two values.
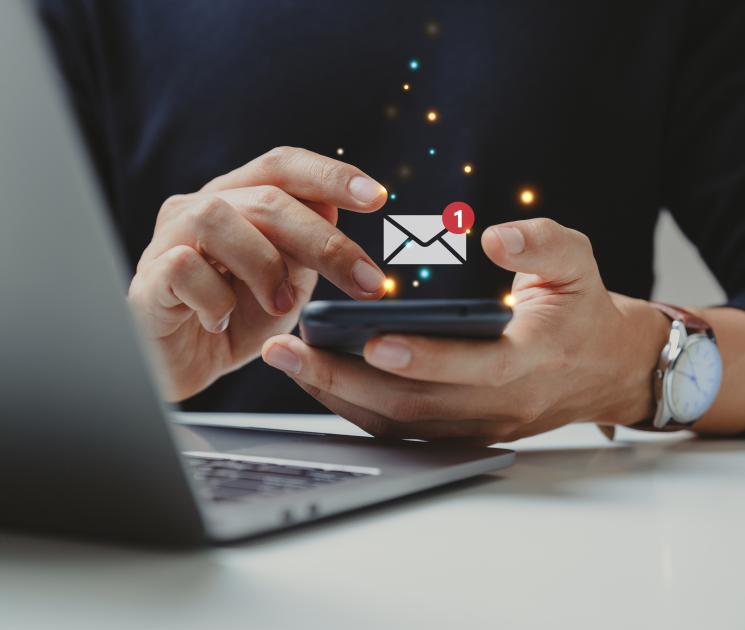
x=340, y=151
x=468, y=231
x=468, y=169
x=509, y=300
x=527, y=197
x=389, y=284
x=432, y=115
x=415, y=283
x=406, y=87
x=432, y=28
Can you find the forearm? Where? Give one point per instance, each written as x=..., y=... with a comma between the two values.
x=727, y=415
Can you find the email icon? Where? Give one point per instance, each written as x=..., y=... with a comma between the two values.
x=421, y=239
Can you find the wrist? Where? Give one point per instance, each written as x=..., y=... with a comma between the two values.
x=644, y=334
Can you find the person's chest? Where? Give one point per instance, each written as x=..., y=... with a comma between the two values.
x=566, y=98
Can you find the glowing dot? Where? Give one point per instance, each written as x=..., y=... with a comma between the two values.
x=404, y=171
x=415, y=283
x=391, y=112
x=509, y=300
x=431, y=151
x=468, y=231
x=432, y=28
x=468, y=169
x=527, y=197
x=424, y=273
x=432, y=115
x=389, y=284
x=409, y=243
x=340, y=151
x=393, y=196
x=414, y=64
x=406, y=87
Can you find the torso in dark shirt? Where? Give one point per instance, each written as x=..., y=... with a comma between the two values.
x=609, y=110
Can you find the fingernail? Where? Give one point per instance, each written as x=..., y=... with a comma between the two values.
x=367, y=277
x=284, y=300
x=389, y=355
x=512, y=239
x=222, y=325
x=365, y=189
x=283, y=359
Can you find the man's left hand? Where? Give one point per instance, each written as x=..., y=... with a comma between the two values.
x=572, y=352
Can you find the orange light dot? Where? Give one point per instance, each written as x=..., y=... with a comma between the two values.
x=468, y=169
x=406, y=87
x=509, y=300
x=389, y=284
x=432, y=115
x=527, y=197
x=468, y=231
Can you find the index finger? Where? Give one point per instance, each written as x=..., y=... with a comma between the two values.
x=307, y=175
x=309, y=239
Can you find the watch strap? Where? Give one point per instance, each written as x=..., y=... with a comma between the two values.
x=692, y=322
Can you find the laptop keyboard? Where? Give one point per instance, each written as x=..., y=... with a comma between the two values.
x=230, y=479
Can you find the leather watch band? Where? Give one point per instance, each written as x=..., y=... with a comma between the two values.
x=690, y=321
x=693, y=324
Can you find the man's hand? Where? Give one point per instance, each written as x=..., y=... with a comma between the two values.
x=572, y=352
x=234, y=263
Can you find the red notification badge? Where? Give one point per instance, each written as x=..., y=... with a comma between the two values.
x=458, y=217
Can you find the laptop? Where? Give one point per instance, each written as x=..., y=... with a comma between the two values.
x=88, y=447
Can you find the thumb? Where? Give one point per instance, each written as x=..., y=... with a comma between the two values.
x=541, y=247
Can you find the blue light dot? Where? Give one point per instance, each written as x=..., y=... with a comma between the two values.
x=409, y=243
x=393, y=196
x=424, y=273
x=431, y=151
x=414, y=64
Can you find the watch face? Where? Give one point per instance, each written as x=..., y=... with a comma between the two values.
x=694, y=378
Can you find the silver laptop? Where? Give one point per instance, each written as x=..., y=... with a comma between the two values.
x=88, y=448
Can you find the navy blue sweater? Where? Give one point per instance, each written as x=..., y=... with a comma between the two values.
x=610, y=110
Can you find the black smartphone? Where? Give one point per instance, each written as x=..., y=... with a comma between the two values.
x=346, y=325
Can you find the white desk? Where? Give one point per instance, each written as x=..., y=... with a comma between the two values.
x=580, y=533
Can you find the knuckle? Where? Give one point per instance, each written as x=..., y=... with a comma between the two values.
x=544, y=229
x=273, y=160
x=268, y=197
x=208, y=212
x=328, y=171
x=171, y=206
x=182, y=261
x=332, y=248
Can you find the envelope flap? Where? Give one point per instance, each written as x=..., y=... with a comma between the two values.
x=424, y=229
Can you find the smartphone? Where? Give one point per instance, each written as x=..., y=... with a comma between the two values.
x=346, y=325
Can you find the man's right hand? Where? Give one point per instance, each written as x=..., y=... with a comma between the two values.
x=233, y=264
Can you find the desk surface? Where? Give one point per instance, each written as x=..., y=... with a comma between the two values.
x=646, y=532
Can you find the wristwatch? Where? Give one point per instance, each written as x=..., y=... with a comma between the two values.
x=688, y=374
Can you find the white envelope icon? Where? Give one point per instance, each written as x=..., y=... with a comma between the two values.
x=421, y=239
